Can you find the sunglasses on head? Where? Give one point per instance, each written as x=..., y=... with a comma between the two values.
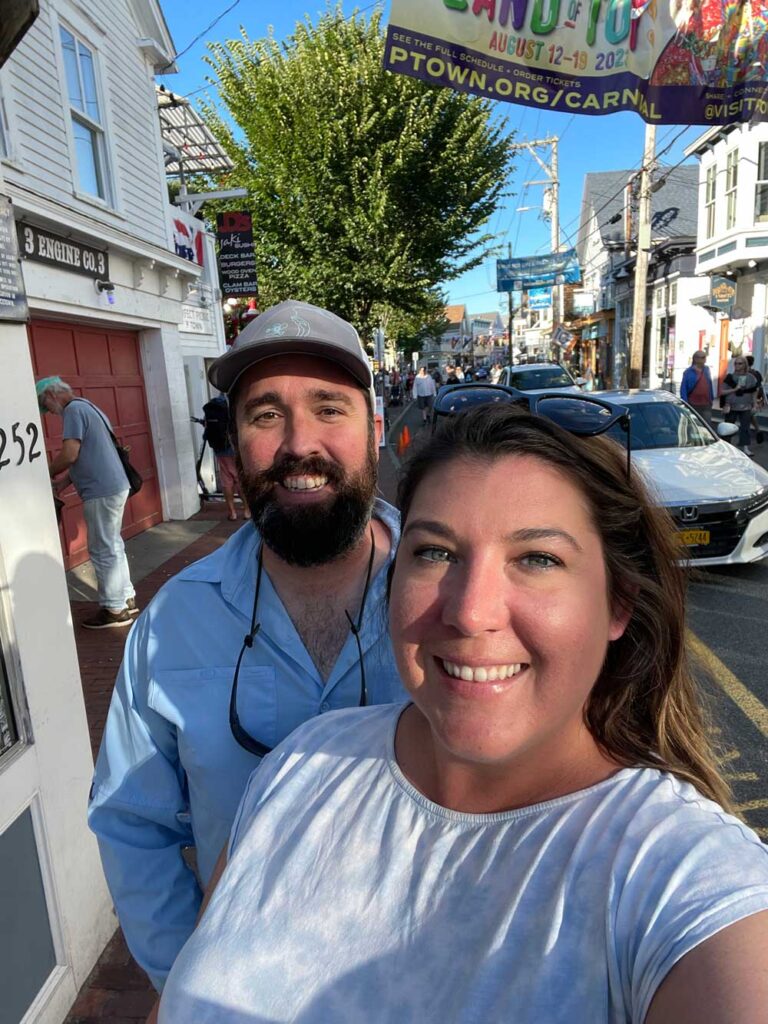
x=582, y=415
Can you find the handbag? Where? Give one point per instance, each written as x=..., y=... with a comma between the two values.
x=134, y=477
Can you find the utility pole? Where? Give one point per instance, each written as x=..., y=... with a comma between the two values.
x=551, y=204
x=509, y=297
x=637, y=345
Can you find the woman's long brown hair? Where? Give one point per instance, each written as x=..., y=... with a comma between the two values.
x=645, y=708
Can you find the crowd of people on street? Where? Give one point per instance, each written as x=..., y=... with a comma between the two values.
x=444, y=761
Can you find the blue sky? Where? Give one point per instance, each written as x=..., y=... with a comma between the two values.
x=587, y=143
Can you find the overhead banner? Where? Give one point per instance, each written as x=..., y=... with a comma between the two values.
x=671, y=62
x=529, y=272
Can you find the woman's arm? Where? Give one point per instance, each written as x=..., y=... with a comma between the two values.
x=218, y=871
x=722, y=981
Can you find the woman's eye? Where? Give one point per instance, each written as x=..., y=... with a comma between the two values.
x=540, y=560
x=432, y=554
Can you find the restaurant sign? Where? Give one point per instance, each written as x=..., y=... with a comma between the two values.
x=722, y=293
x=66, y=253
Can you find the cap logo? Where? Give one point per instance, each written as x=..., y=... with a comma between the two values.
x=276, y=330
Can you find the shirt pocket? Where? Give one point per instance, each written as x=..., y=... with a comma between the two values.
x=196, y=702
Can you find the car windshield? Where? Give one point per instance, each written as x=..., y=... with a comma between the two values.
x=544, y=377
x=663, y=425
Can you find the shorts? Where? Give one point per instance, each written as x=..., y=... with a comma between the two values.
x=424, y=401
x=227, y=472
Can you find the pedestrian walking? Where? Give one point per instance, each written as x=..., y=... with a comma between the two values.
x=280, y=624
x=216, y=434
x=759, y=399
x=424, y=390
x=537, y=836
x=739, y=388
x=696, y=386
x=88, y=461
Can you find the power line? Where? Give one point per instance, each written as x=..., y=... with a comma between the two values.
x=199, y=36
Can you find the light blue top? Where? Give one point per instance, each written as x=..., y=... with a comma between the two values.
x=350, y=897
x=97, y=471
x=169, y=773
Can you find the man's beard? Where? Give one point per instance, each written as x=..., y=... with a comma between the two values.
x=316, y=533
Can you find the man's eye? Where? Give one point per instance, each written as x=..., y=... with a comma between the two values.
x=433, y=554
x=540, y=560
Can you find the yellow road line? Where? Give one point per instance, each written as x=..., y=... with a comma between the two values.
x=752, y=805
x=741, y=696
x=741, y=777
x=729, y=755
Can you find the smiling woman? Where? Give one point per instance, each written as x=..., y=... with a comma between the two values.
x=535, y=837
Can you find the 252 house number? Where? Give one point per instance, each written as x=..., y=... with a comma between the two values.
x=24, y=448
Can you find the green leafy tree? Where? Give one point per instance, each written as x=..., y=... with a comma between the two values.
x=367, y=189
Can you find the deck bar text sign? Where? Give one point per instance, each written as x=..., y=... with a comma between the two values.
x=13, y=298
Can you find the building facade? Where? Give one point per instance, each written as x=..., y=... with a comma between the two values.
x=113, y=308
x=732, y=244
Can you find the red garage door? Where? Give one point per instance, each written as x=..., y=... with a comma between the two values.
x=103, y=366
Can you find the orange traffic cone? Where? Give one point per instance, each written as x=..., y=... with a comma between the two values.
x=406, y=435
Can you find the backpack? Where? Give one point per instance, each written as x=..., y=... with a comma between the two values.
x=216, y=413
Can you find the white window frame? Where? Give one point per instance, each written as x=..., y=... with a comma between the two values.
x=731, y=188
x=103, y=154
x=710, y=201
x=761, y=183
x=673, y=295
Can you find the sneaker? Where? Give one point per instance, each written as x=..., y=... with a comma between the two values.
x=105, y=619
x=748, y=451
x=133, y=608
x=759, y=437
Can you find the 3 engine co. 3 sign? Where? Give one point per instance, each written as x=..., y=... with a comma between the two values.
x=65, y=253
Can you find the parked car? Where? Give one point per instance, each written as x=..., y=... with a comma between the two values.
x=716, y=495
x=539, y=377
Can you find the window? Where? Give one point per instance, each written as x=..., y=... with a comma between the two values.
x=709, y=200
x=731, y=180
x=87, y=118
x=761, y=189
x=673, y=295
x=661, y=297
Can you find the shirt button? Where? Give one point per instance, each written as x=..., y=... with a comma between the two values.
x=325, y=706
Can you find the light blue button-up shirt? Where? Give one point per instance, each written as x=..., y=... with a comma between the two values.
x=169, y=773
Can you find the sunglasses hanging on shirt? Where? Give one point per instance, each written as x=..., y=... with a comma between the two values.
x=241, y=735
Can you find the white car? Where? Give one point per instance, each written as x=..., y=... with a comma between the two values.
x=540, y=377
x=716, y=495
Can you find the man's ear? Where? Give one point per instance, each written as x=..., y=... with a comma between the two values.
x=378, y=431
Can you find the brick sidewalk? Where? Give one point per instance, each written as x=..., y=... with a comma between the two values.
x=117, y=991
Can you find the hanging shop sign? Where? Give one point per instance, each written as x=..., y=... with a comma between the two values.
x=672, y=63
x=722, y=293
x=528, y=272
x=583, y=303
x=45, y=247
x=539, y=298
x=13, y=296
x=237, y=263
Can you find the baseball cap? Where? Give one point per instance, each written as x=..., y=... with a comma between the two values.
x=295, y=328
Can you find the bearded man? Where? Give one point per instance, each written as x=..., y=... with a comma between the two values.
x=283, y=622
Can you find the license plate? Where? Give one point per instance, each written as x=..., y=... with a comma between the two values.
x=694, y=537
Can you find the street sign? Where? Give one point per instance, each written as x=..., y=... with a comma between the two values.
x=13, y=296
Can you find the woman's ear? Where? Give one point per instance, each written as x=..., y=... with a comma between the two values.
x=621, y=613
